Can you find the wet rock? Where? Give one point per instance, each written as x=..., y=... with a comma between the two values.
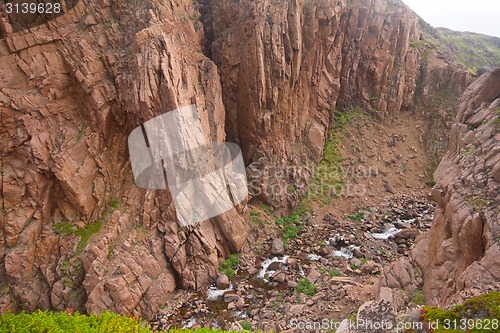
x=325, y=250
x=230, y=296
x=279, y=277
x=406, y=234
x=277, y=246
x=274, y=266
x=222, y=282
x=358, y=253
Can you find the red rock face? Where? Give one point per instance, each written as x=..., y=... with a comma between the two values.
x=77, y=232
x=460, y=256
x=286, y=65
x=70, y=94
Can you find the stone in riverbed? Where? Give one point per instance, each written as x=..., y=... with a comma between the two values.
x=222, y=282
x=277, y=246
x=230, y=296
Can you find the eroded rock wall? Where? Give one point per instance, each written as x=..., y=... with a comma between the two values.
x=76, y=231
x=286, y=65
x=460, y=256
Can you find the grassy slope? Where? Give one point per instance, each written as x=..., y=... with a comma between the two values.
x=63, y=322
x=471, y=50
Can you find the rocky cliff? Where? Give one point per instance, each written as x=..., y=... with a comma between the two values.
x=286, y=65
x=460, y=256
x=76, y=231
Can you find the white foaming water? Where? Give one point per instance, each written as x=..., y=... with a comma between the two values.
x=188, y=323
x=346, y=252
x=267, y=263
x=241, y=314
x=214, y=293
x=313, y=257
x=387, y=233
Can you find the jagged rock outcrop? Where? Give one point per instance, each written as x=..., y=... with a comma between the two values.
x=286, y=65
x=76, y=230
x=460, y=255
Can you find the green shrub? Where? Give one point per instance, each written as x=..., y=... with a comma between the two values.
x=64, y=322
x=246, y=325
x=354, y=267
x=473, y=312
x=358, y=217
x=304, y=286
x=292, y=225
x=85, y=234
x=229, y=265
x=334, y=272
x=64, y=228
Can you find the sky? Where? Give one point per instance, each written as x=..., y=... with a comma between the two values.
x=481, y=16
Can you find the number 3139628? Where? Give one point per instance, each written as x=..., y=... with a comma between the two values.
x=33, y=8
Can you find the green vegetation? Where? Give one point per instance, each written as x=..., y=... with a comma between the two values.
x=358, y=217
x=229, y=265
x=334, y=272
x=81, y=131
x=431, y=182
x=304, y=286
x=474, y=314
x=246, y=325
x=65, y=228
x=255, y=217
x=291, y=225
x=471, y=50
x=85, y=234
x=477, y=203
x=115, y=203
x=63, y=322
x=66, y=322
x=496, y=122
x=329, y=178
x=354, y=267
x=418, y=297
x=474, y=52
x=266, y=209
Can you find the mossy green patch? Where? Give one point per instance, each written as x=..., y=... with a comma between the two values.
x=472, y=316
x=306, y=287
x=418, y=297
x=63, y=322
x=329, y=176
x=65, y=228
x=229, y=265
x=291, y=226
